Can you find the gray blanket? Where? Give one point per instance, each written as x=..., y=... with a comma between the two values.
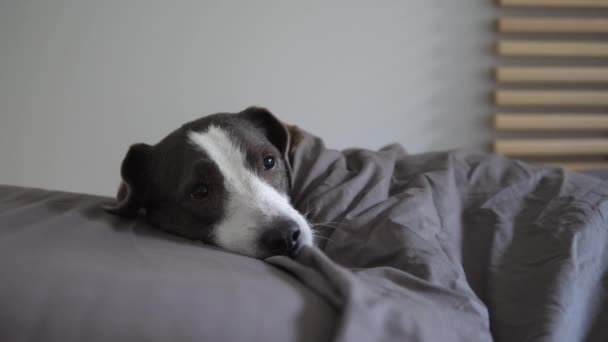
x=435, y=247
x=453, y=246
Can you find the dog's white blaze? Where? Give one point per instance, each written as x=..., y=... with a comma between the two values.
x=250, y=199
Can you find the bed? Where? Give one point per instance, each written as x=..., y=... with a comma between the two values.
x=447, y=246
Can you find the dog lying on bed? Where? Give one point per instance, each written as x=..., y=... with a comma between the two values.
x=223, y=179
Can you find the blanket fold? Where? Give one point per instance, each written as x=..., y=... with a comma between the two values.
x=452, y=246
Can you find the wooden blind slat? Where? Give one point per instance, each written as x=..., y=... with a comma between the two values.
x=578, y=166
x=555, y=3
x=550, y=122
x=552, y=147
x=552, y=25
x=552, y=74
x=551, y=98
x=552, y=48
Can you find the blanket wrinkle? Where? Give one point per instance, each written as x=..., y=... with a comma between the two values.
x=454, y=246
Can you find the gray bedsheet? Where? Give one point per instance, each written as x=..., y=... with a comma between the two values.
x=447, y=246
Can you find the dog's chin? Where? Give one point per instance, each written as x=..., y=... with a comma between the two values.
x=261, y=253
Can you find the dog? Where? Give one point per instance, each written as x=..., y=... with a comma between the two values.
x=223, y=179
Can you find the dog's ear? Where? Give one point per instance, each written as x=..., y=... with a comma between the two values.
x=130, y=196
x=283, y=137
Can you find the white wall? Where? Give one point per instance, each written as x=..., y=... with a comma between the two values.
x=80, y=80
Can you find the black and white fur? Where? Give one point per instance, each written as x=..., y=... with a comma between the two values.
x=223, y=179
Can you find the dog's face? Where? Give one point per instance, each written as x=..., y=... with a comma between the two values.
x=222, y=179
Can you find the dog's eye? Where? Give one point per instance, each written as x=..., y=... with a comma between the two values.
x=199, y=191
x=269, y=162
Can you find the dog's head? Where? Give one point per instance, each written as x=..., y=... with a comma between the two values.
x=223, y=179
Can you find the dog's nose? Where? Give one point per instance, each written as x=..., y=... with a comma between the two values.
x=282, y=239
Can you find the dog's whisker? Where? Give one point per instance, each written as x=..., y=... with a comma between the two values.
x=308, y=210
x=315, y=225
x=320, y=229
x=323, y=224
x=337, y=222
x=324, y=238
x=329, y=222
x=306, y=213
